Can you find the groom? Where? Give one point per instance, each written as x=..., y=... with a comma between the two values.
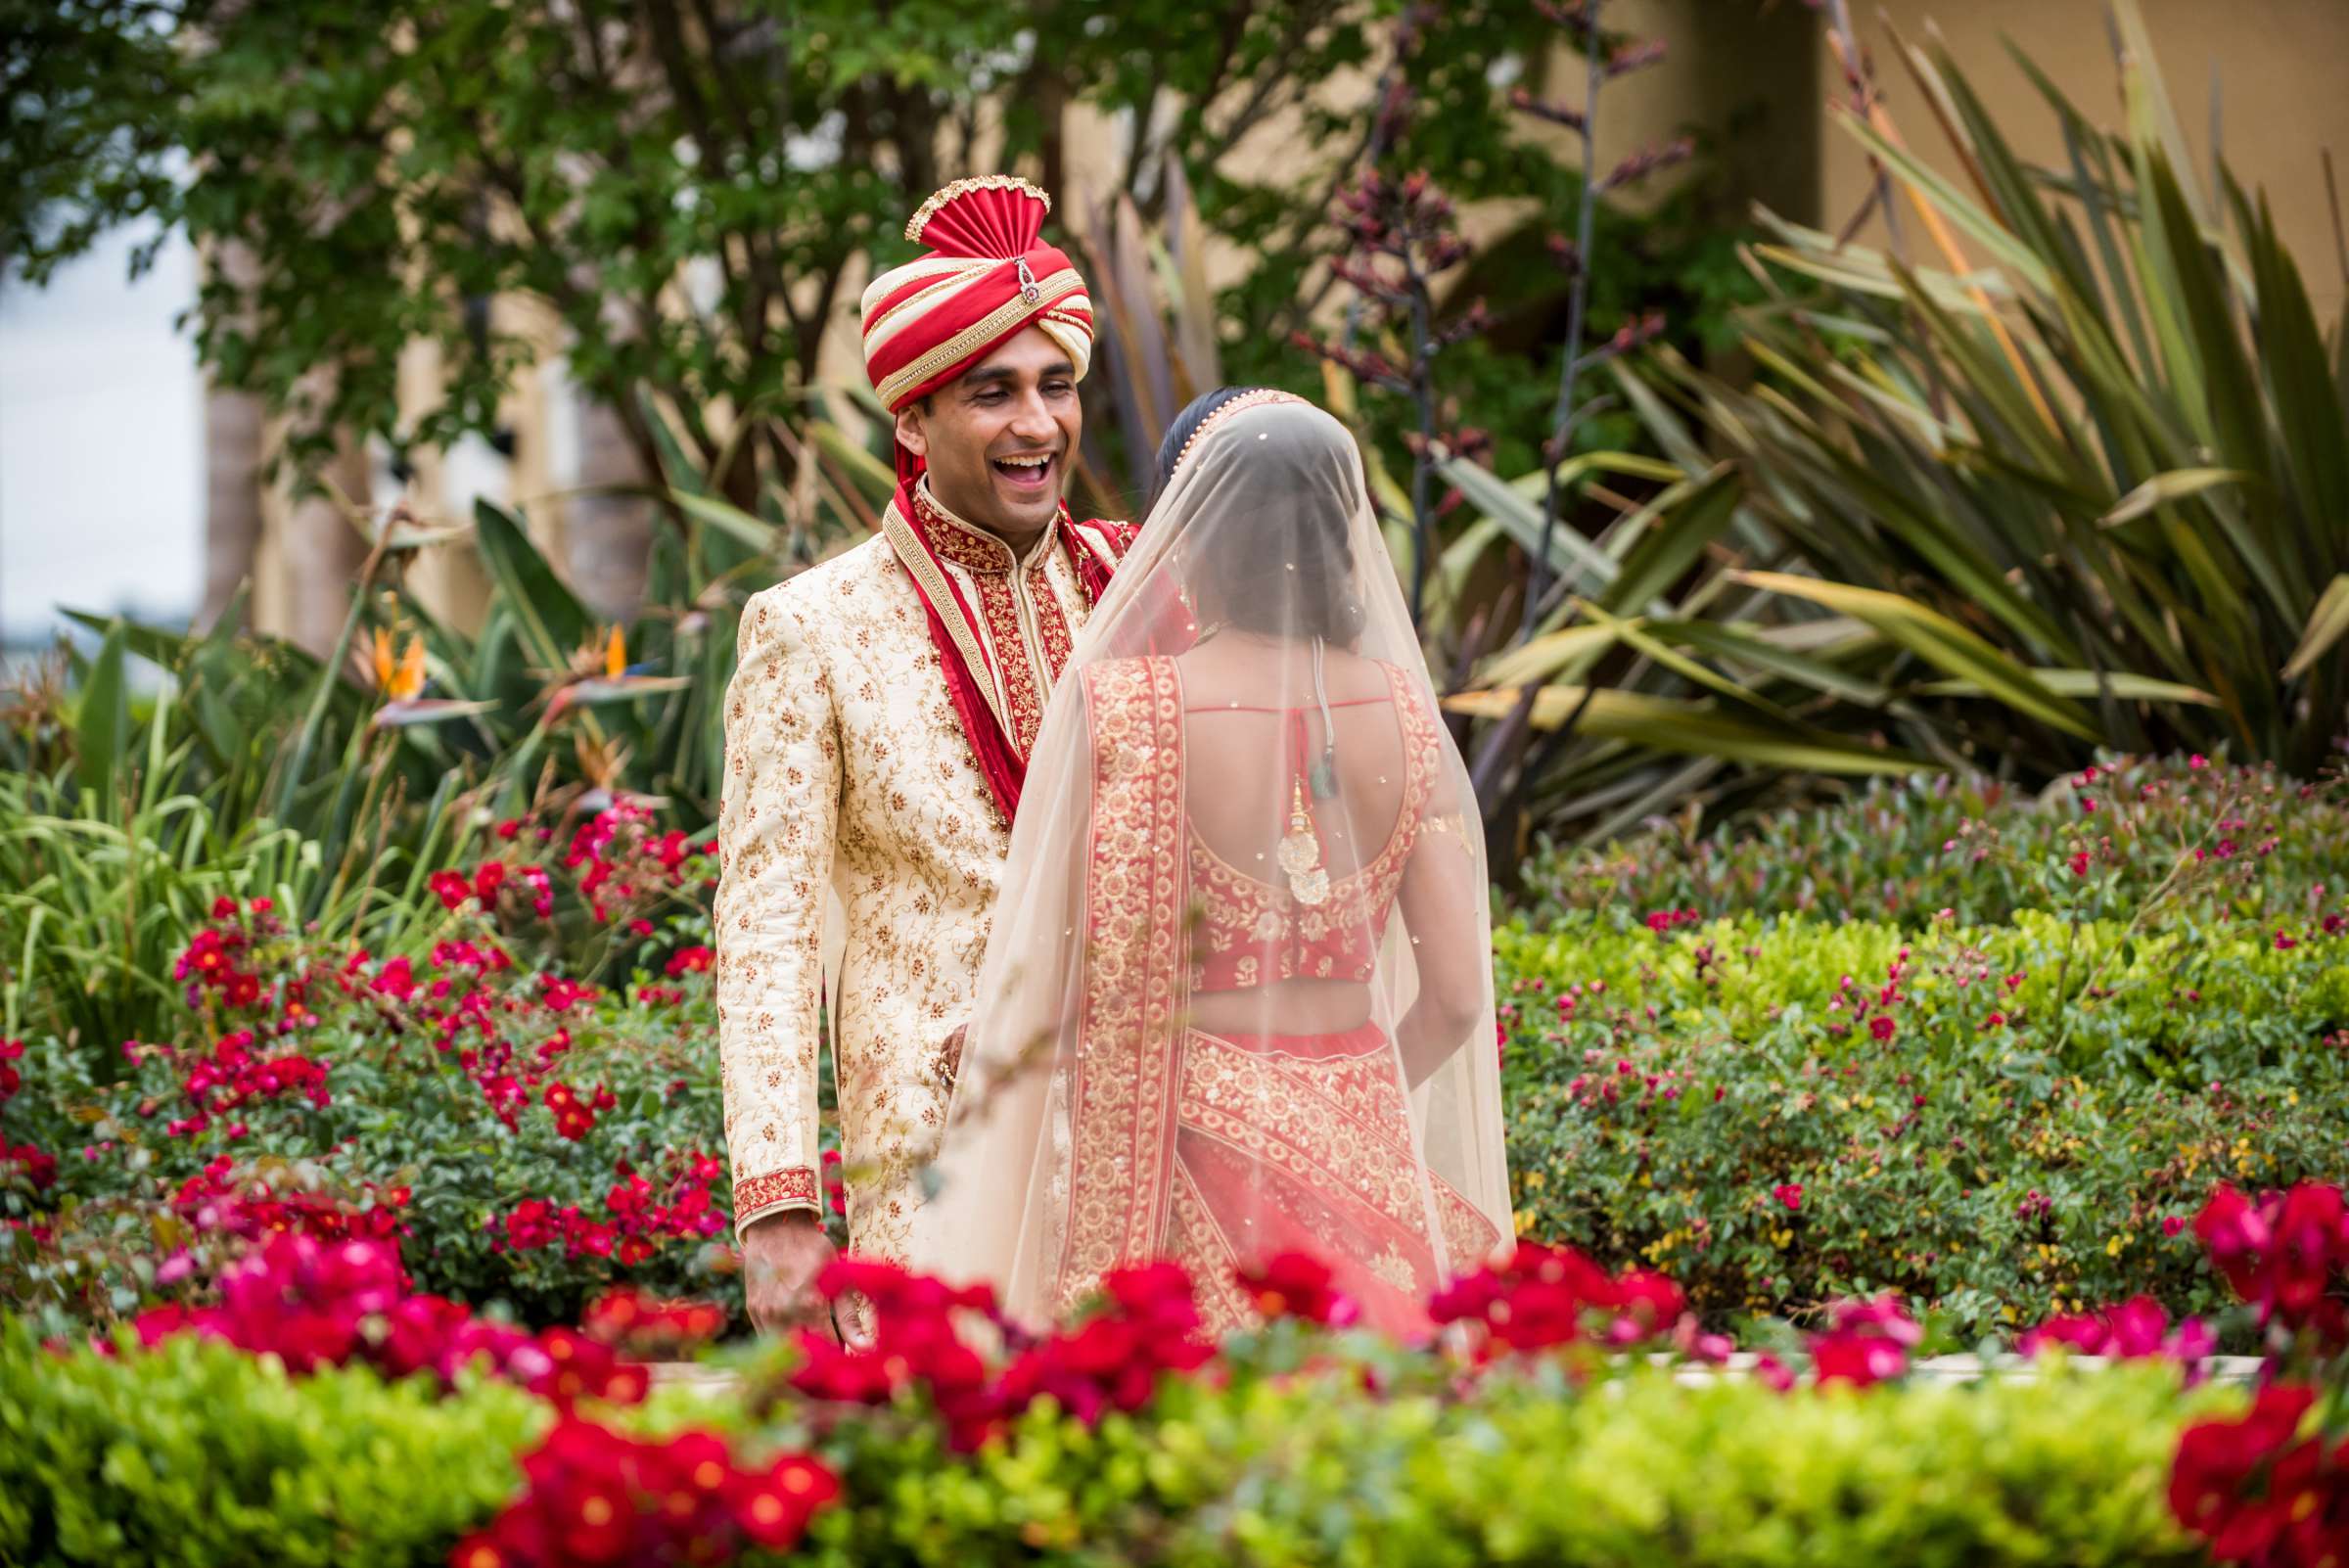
x=878, y=728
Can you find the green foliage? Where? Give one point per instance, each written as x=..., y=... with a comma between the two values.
x=1999, y=1109
x=2077, y=486
x=582, y=156
x=1905, y=851
x=1729, y=1473
x=1271, y=1466
x=99, y=888
x=408, y=1106
x=196, y=1453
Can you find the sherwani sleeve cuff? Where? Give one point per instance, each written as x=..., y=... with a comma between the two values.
x=777, y=1192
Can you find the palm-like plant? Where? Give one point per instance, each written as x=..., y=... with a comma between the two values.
x=2091, y=490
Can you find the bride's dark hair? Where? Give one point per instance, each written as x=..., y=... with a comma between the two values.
x=1291, y=574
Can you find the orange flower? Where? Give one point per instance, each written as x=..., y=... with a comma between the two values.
x=400, y=681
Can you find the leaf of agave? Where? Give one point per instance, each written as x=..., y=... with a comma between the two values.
x=551, y=621
x=873, y=479
x=1852, y=271
x=1500, y=501
x=1692, y=728
x=2307, y=404
x=1459, y=559
x=1683, y=528
x=1993, y=386
x=1961, y=209
x=1938, y=640
x=2012, y=184
x=2152, y=119
x=727, y=517
x=1658, y=417
x=101, y=717
x=2176, y=484
x=2085, y=683
x=1748, y=645
x=2080, y=139
x=2208, y=314
x=2327, y=624
x=1692, y=671
x=1546, y=656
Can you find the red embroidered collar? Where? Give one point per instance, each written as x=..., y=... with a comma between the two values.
x=969, y=545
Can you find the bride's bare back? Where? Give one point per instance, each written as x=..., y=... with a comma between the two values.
x=1251, y=710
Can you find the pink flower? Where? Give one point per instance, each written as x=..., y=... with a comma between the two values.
x=1866, y=1342
x=1789, y=1194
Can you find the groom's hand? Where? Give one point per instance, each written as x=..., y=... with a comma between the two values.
x=781, y=1255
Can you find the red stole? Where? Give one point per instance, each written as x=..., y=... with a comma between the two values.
x=955, y=629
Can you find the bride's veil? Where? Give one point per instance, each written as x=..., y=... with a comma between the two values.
x=1263, y=542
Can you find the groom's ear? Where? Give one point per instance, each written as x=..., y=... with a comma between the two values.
x=910, y=431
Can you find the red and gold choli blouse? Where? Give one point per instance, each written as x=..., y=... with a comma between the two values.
x=1256, y=933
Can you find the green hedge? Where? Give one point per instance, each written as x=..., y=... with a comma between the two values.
x=1985, y=1170
x=196, y=1453
x=199, y=1455
x=1902, y=852
x=2002, y=1045
x=1636, y=1472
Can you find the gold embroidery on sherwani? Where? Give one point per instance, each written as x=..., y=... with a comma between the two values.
x=848, y=769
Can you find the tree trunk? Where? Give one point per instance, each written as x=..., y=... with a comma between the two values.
x=323, y=552
x=608, y=537
x=235, y=441
x=233, y=423
x=1757, y=83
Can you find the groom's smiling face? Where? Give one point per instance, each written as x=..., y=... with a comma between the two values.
x=998, y=438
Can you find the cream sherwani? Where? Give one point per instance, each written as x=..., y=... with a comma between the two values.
x=848, y=769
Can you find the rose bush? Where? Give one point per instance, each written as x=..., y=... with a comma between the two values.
x=530, y=1136
x=1123, y=1435
x=2002, y=1116
x=1902, y=852
x=2000, y=1113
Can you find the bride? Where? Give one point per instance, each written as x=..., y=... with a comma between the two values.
x=1238, y=996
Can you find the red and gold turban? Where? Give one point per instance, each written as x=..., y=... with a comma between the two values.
x=988, y=276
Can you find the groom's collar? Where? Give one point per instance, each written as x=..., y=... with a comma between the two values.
x=967, y=544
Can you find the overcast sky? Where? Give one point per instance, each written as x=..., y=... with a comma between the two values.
x=101, y=444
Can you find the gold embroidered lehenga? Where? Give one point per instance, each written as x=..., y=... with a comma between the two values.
x=1239, y=998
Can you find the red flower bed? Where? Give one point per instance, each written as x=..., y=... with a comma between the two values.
x=2272, y=1488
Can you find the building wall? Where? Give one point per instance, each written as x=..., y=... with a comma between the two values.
x=2281, y=69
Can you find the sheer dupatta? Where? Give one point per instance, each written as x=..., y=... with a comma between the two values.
x=1237, y=1000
